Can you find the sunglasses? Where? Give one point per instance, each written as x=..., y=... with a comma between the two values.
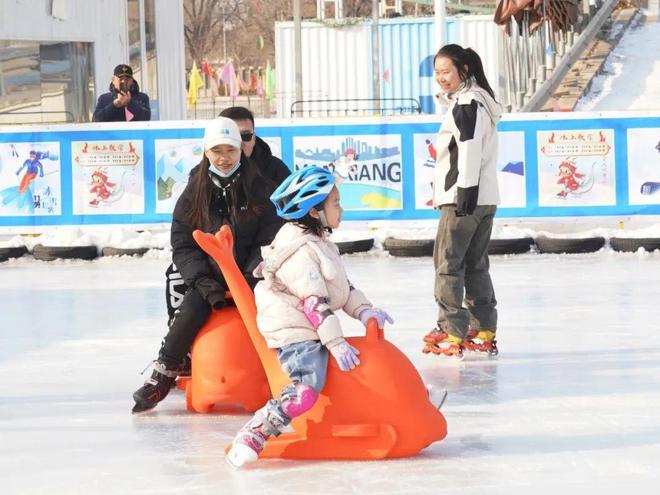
x=247, y=136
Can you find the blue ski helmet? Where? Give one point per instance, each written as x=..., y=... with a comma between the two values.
x=301, y=191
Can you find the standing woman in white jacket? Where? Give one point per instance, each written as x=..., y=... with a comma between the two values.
x=466, y=192
x=304, y=284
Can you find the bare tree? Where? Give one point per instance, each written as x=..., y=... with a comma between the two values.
x=204, y=21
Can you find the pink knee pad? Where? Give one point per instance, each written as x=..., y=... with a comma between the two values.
x=305, y=397
x=315, y=309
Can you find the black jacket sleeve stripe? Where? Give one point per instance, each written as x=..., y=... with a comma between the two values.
x=465, y=117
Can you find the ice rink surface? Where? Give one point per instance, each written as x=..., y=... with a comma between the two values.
x=571, y=405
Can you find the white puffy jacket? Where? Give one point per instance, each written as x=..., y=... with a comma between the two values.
x=466, y=164
x=298, y=265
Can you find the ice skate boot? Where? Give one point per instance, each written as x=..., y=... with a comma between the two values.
x=481, y=341
x=155, y=388
x=441, y=343
x=250, y=440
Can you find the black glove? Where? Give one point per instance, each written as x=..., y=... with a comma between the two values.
x=466, y=200
x=212, y=291
x=216, y=300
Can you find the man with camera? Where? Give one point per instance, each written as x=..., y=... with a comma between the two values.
x=124, y=102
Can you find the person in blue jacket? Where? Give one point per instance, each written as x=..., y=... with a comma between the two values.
x=124, y=102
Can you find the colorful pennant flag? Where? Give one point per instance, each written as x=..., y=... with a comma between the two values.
x=195, y=84
x=228, y=76
x=269, y=82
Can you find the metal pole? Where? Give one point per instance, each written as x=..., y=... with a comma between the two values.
x=439, y=19
x=297, y=41
x=375, y=58
x=224, y=36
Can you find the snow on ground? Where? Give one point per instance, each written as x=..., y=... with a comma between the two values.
x=158, y=238
x=631, y=73
x=570, y=406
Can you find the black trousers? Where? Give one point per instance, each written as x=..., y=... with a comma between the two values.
x=188, y=319
x=187, y=311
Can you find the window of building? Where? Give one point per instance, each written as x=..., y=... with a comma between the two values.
x=142, y=48
x=45, y=82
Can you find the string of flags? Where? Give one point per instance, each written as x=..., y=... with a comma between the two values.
x=256, y=81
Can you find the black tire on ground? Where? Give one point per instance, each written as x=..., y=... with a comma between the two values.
x=510, y=246
x=409, y=247
x=630, y=245
x=113, y=251
x=12, y=252
x=50, y=253
x=555, y=245
x=357, y=246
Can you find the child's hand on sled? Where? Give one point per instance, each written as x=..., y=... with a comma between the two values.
x=345, y=354
x=380, y=315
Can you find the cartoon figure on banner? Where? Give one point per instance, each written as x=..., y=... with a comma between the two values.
x=430, y=162
x=572, y=181
x=105, y=191
x=23, y=193
x=345, y=164
x=101, y=187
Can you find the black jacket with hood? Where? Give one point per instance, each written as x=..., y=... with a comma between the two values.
x=269, y=165
x=139, y=106
x=254, y=226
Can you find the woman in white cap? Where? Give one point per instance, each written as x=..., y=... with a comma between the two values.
x=224, y=189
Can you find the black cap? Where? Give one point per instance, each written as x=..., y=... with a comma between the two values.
x=123, y=70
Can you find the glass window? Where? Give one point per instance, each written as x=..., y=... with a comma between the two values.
x=134, y=42
x=45, y=82
x=151, y=85
x=20, y=82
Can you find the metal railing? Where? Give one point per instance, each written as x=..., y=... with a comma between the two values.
x=529, y=59
x=355, y=107
x=210, y=107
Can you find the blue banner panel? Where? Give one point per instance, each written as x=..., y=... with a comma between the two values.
x=549, y=165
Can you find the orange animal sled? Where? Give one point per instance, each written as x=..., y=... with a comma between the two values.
x=227, y=373
x=380, y=409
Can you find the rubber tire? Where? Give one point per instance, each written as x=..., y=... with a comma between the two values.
x=553, y=245
x=12, y=252
x=50, y=253
x=409, y=247
x=113, y=251
x=510, y=246
x=631, y=244
x=357, y=246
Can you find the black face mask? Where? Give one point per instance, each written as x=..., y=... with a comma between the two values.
x=247, y=136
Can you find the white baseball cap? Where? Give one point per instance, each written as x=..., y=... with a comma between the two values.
x=221, y=131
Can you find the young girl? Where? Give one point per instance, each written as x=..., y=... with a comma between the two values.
x=304, y=283
x=465, y=190
x=224, y=189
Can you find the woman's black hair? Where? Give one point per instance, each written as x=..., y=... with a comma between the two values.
x=466, y=57
x=243, y=200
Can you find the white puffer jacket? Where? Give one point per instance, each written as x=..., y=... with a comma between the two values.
x=298, y=265
x=466, y=163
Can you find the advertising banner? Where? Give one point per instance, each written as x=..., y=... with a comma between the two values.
x=576, y=168
x=30, y=177
x=548, y=165
x=644, y=166
x=368, y=167
x=108, y=177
